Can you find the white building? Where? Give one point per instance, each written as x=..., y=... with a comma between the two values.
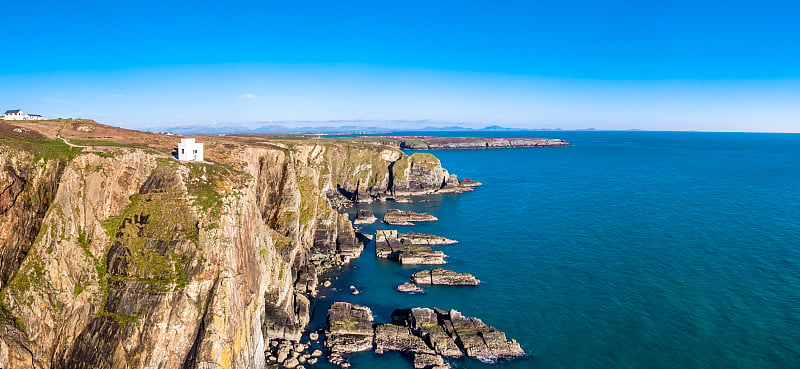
x=18, y=114
x=188, y=150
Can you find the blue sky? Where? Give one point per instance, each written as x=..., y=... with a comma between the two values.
x=673, y=65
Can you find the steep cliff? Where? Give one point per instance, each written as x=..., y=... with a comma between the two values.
x=127, y=258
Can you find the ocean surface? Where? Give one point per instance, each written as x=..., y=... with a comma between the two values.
x=627, y=250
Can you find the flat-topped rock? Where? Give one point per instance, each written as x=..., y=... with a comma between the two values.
x=365, y=217
x=446, y=277
x=349, y=328
x=426, y=239
x=409, y=288
x=390, y=337
x=402, y=250
x=404, y=217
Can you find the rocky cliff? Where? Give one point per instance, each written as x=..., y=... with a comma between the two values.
x=126, y=258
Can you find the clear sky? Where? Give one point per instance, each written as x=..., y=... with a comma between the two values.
x=665, y=65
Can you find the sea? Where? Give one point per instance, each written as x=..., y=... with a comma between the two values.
x=628, y=249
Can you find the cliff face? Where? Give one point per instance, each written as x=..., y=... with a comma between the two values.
x=130, y=259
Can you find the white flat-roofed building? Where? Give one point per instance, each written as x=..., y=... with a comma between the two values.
x=189, y=150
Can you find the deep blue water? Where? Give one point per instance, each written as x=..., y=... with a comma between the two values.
x=627, y=250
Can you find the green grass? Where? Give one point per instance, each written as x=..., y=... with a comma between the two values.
x=42, y=148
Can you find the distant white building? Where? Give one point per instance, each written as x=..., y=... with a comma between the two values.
x=188, y=150
x=18, y=114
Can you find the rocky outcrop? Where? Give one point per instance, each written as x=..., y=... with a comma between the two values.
x=478, y=339
x=438, y=143
x=427, y=335
x=422, y=173
x=402, y=250
x=426, y=239
x=428, y=361
x=390, y=337
x=365, y=216
x=450, y=334
x=445, y=277
x=409, y=288
x=403, y=217
x=349, y=328
x=130, y=259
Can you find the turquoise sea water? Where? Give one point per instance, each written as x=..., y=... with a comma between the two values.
x=628, y=250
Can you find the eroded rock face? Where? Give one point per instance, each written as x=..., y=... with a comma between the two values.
x=390, y=337
x=478, y=339
x=349, y=328
x=445, y=277
x=403, y=217
x=365, y=217
x=388, y=245
x=451, y=334
x=426, y=239
x=428, y=361
x=130, y=259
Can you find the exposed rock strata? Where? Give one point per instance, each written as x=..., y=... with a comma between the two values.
x=388, y=245
x=349, y=328
x=426, y=239
x=130, y=259
x=427, y=335
x=445, y=277
x=365, y=217
x=403, y=217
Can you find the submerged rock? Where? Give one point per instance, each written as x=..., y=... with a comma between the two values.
x=365, y=217
x=349, y=328
x=404, y=217
x=446, y=277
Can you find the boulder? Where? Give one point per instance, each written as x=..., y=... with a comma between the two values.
x=441, y=276
x=349, y=328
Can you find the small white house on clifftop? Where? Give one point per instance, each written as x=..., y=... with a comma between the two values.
x=188, y=150
x=18, y=114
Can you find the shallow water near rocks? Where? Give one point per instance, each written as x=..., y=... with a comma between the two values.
x=628, y=250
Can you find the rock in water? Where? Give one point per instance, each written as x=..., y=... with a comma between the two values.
x=365, y=217
x=478, y=339
x=389, y=337
x=441, y=276
x=388, y=245
x=428, y=361
x=349, y=328
x=426, y=239
x=402, y=217
x=410, y=288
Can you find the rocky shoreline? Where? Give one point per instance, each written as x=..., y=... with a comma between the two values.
x=449, y=143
